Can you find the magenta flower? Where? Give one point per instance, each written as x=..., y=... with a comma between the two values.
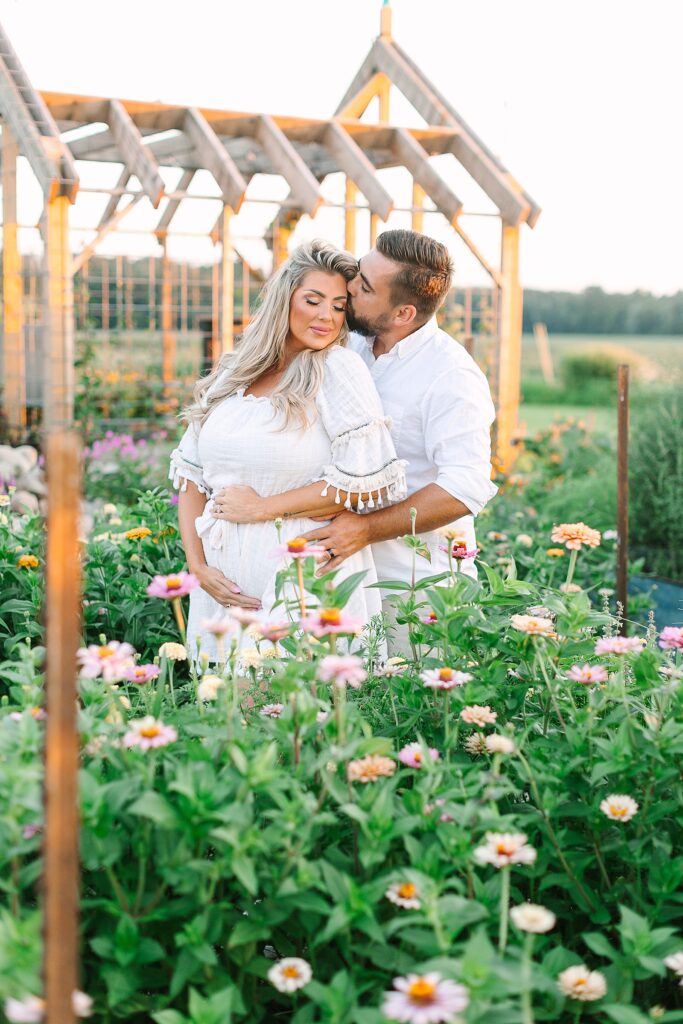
x=272, y=710
x=324, y=621
x=432, y=618
x=445, y=678
x=148, y=732
x=342, y=670
x=460, y=551
x=142, y=673
x=178, y=584
x=298, y=547
x=425, y=999
x=671, y=638
x=619, y=644
x=219, y=625
x=588, y=674
x=111, y=661
x=412, y=755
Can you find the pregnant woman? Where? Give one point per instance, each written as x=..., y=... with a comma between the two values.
x=294, y=419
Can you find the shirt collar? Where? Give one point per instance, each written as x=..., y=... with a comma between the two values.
x=411, y=341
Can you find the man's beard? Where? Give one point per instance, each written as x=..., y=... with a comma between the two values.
x=361, y=325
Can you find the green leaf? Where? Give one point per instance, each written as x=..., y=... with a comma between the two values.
x=243, y=868
x=626, y=1014
x=169, y=1017
x=155, y=807
x=247, y=931
x=597, y=943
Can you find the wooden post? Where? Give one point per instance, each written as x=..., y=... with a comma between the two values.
x=417, y=216
x=58, y=335
x=183, y=297
x=622, y=492
x=152, y=294
x=374, y=226
x=105, y=297
x=129, y=295
x=119, y=293
x=245, y=294
x=62, y=612
x=350, y=200
x=14, y=356
x=227, y=284
x=544, y=353
x=510, y=346
x=167, y=335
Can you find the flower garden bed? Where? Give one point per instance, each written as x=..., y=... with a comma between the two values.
x=489, y=833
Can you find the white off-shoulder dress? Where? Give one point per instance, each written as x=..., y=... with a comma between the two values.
x=348, y=445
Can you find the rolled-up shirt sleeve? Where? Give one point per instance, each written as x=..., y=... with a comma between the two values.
x=458, y=436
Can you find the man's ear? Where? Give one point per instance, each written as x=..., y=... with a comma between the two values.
x=405, y=315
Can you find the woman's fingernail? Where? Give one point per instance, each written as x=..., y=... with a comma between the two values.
x=236, y=590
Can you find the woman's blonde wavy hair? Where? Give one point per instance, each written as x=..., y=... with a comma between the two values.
x=262, y=345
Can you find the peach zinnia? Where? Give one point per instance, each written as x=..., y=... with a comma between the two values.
x=370, y=768
x=476, y=714
x=534, y=625
x=574, y=536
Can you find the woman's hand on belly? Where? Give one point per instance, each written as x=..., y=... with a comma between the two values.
x=223, y=590
x=239, y=504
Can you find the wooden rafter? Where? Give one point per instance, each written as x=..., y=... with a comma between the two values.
x=355, y=164
x=173, y=204
x=103, y=230
x=289, y=164
x=215, y=158
x=416, y=160
x=358, y=103
x=136, y=157
x=113, y=201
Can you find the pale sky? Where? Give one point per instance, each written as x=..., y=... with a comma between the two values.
x=581, y=99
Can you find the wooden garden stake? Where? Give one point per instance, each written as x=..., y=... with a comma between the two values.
x=60, y=863
x=622, y=491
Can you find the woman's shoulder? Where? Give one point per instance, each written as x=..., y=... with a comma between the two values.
x=345, y=363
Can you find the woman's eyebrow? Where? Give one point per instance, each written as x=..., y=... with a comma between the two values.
x=337, y=298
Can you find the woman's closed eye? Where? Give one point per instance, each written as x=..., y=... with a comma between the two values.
x=338, y=309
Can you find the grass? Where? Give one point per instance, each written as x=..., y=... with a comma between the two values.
x=600, y=420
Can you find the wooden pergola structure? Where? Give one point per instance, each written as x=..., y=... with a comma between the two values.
x=144, y=137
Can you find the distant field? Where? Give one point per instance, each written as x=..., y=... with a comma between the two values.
x=665, y=353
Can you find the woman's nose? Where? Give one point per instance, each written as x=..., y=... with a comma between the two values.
x=324, y=312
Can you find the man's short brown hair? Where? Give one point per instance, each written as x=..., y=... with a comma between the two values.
x=425, y=273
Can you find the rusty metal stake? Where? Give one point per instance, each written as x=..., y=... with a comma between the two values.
x=622, y=491
x=60, y=864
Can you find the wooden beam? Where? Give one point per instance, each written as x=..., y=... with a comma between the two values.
x=287, y=162
x=356, y=166
x=58, y=332
x=173, y=204
x=227, y=285
x=114, y=200
x=488, y=267
x=374, y=228
x=136, y=157
x=416, y=160
x=14, y=356
x=62, y=615
x=418, y=218
x=366, y=72
x=215, y=158
x=357, y=104
x=84, y=255
x=510, y=350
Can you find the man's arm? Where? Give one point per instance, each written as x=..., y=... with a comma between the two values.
x=349, y=532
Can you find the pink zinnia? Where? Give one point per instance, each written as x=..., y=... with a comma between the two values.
x=272, y=631
x=142, y=673
x=425, y=999
x=219, y=625
x=111, y=661
x=476, y=714
x=148, y=732
x=342, y=670
x=444, y=678
x=412, y=755
x=325, y=621
x=671, y=638
x=244, y=616
x=178, y=584
x=298, y=547
x=587, y=674
x=460, y=551
x=272, y=710
x=619, y=644
x=431, y=619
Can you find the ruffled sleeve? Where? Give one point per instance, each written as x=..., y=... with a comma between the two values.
x=363, y=459
x=185, y=462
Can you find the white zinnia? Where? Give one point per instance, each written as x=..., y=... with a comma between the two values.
x=497, y=744
x=505, y=848
x=531, y=917
x=404, y=894
x=290, y=974
x=675, y=962
x=582, y=984
x=209, y=686
x=173, y=651
x=619, y=807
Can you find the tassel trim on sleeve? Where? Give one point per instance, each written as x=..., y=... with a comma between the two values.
x=341, y=440
x=391, y=479
x=181, y=470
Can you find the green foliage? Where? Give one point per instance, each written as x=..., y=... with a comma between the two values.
x=656, y=474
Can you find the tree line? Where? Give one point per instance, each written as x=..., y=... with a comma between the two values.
x=594, y=311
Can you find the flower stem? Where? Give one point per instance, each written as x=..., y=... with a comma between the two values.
x=302, y=591
x=446, y=723
x=571, y=567
x=504, y=907
x=339, y=697
x=527, y=1008
x=179, y=617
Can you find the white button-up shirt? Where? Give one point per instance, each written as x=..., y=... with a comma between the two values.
x=441, y=415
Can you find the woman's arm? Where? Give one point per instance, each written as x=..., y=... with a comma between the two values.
x=191, y=504
x=240, y=504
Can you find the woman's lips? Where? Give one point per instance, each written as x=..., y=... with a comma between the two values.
x=321, y=330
